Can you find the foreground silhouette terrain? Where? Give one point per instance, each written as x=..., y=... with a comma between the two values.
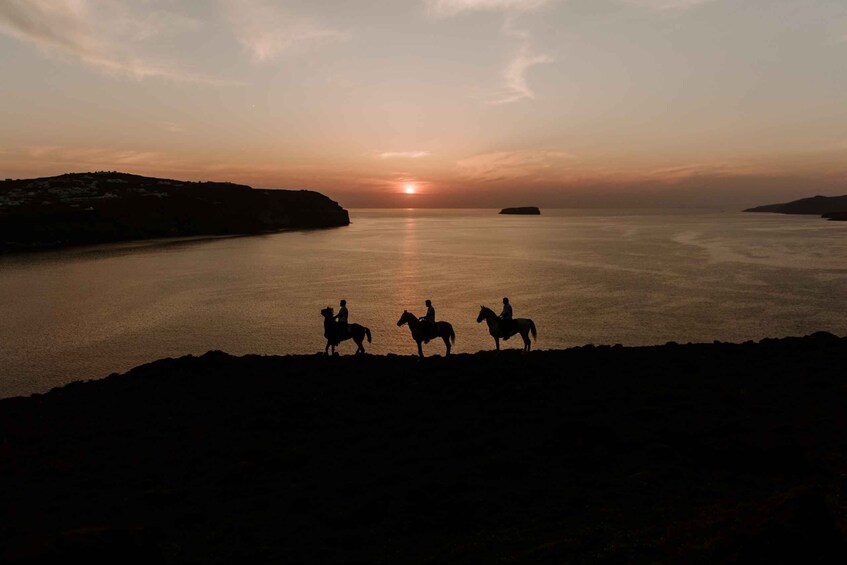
x=698, y=453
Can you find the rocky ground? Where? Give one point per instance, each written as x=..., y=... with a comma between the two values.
x=704, y=453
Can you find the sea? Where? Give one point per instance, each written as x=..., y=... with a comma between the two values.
x=634, y=278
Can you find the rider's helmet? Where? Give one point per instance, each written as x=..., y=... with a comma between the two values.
x=505, y=301
x=344, y=303
x=428, y=302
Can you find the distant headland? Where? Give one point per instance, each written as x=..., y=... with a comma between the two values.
x=526, y=210
x=104, y=207
x=829, y=207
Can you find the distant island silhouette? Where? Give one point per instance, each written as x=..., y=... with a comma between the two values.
x=829, y=207
x=102, y=207
x=527, y=210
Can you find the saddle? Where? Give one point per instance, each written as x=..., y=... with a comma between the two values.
x=342, y=330
x=508, y=328
x=430, y=330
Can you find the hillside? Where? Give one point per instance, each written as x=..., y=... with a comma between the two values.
x=84, y=208
x=831, y=207
x=697, y=453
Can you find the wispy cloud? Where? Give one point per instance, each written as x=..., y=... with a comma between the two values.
x=515, y=75
x=404, y=154
x=97, y=33
x=516, y=86
x=266, y=31
x=710, y=170
x=450, y=8
x=92, y=158
x=506, y=165
x=666, y=5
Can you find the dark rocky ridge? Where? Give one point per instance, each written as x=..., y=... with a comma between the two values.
x=84, y=208
x=830, y=207
x=527, y=210
x=703, y=453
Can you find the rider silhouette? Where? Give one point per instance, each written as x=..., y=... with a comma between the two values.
x=429, y=319
x=506, y=322
x=341, y=318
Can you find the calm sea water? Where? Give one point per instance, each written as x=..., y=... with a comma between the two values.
x=598, y=277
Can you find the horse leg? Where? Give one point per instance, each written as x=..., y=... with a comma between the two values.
x=497, y=343
x=420, y=350
x=446, y=343
x=526, y=343
x=361, y=348
x=326, y=349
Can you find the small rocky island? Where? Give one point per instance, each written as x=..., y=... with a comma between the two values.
x=829, y=207
x=525, y=210
x=104, y=207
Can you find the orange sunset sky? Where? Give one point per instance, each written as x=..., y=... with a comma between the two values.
x=482, y=103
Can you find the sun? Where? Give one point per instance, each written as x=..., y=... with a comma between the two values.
x=409, y=188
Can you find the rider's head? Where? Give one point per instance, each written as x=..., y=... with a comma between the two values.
x=505, y=301
x=428, y=302
x=344, y=303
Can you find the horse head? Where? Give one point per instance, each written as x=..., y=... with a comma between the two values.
x=327, y=312
x=404, y=318
x=483, y=313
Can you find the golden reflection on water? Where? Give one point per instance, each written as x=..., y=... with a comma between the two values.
x=408, y=290
x=583, y=277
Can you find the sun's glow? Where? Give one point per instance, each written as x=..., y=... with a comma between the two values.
x=409, y=188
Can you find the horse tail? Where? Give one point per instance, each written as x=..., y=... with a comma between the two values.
x=368, y=333
x=532, y=329
x=452, y=336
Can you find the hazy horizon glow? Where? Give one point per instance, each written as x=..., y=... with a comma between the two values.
x=489, y=103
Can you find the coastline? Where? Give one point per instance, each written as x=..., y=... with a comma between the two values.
x=681, y=452
x=108, y=207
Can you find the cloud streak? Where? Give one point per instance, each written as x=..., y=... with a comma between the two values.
x=515, y=75
x=516, y=86
x=92, y=158
x=451, y=8
x=667, y=5
x=404, y=154
x=98, y=34
x=268, y=32
x=505, y=165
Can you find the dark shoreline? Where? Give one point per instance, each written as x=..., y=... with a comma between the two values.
x=696, y=453
x=108, y=207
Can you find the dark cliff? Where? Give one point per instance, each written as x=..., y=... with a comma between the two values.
x=85, y=208
x=832, y=207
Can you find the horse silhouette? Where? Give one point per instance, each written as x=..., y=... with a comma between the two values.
x=523, y=326
x=419, y=331
x=331, y=333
